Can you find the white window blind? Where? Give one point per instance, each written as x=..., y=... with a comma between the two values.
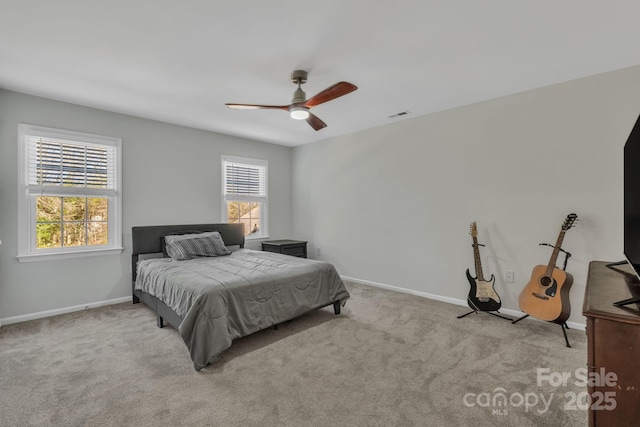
x=58, y=167
x=245, y=181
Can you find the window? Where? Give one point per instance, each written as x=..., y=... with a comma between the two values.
x=244, y=189
x=70, y=194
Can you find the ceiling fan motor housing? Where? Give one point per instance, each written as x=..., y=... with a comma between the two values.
x=299, y=77
x=299, y=96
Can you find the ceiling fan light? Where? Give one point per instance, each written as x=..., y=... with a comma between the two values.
x=299, y=113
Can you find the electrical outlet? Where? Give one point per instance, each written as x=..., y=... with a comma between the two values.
x=508, y=276
x=318, y=252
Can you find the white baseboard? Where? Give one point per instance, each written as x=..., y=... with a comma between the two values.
x=455, y=301
x=58, y=311
x=462, y=302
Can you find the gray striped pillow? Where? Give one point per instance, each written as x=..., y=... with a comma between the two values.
x=208, y=245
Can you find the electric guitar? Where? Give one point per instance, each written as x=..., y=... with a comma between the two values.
x=482, y=295
x=546, y=296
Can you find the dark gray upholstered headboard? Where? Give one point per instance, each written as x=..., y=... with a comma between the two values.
x=148, y=239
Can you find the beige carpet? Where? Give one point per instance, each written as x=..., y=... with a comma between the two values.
x=389, y=359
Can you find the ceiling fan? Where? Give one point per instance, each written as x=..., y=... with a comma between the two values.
x=300, y=105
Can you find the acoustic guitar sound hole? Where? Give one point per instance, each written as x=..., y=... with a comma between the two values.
x=545, y=281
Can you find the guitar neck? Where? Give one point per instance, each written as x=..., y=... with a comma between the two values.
x=554, y=254
x=476, y=257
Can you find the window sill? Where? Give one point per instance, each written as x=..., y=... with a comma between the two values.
x=249, y=237
x=66, y=255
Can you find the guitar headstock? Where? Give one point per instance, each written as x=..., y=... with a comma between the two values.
x=473, y=230
x=569, y=221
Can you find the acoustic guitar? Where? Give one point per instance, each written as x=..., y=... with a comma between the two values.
x=482, y=295
x=546, y=296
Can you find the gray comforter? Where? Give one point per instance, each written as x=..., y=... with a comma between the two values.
x=223, y=298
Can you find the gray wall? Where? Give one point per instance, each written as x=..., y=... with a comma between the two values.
x=171, y=175
x=392, y=206
x=389, y=206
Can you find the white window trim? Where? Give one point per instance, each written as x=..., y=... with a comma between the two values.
x=26, y=204
x=264, y=220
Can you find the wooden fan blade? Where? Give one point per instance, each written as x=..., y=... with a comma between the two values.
x=257, y=107
x=333, y=92
x=315, y=122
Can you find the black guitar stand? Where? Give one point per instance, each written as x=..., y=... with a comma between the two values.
x=497, y=314
x=564, y=325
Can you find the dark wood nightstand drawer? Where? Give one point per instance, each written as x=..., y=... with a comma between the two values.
x=287, y=247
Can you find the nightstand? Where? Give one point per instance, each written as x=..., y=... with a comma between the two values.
x=288, y=247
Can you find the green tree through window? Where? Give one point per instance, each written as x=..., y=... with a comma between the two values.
x=71, y=221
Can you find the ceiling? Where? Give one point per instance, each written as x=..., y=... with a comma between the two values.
x=180, y=61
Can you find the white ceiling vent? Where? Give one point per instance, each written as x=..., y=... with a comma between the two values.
x=400, y=114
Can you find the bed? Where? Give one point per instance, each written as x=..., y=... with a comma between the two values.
x=212, y=300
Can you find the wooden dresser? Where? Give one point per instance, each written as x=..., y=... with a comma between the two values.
x=613, y=340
